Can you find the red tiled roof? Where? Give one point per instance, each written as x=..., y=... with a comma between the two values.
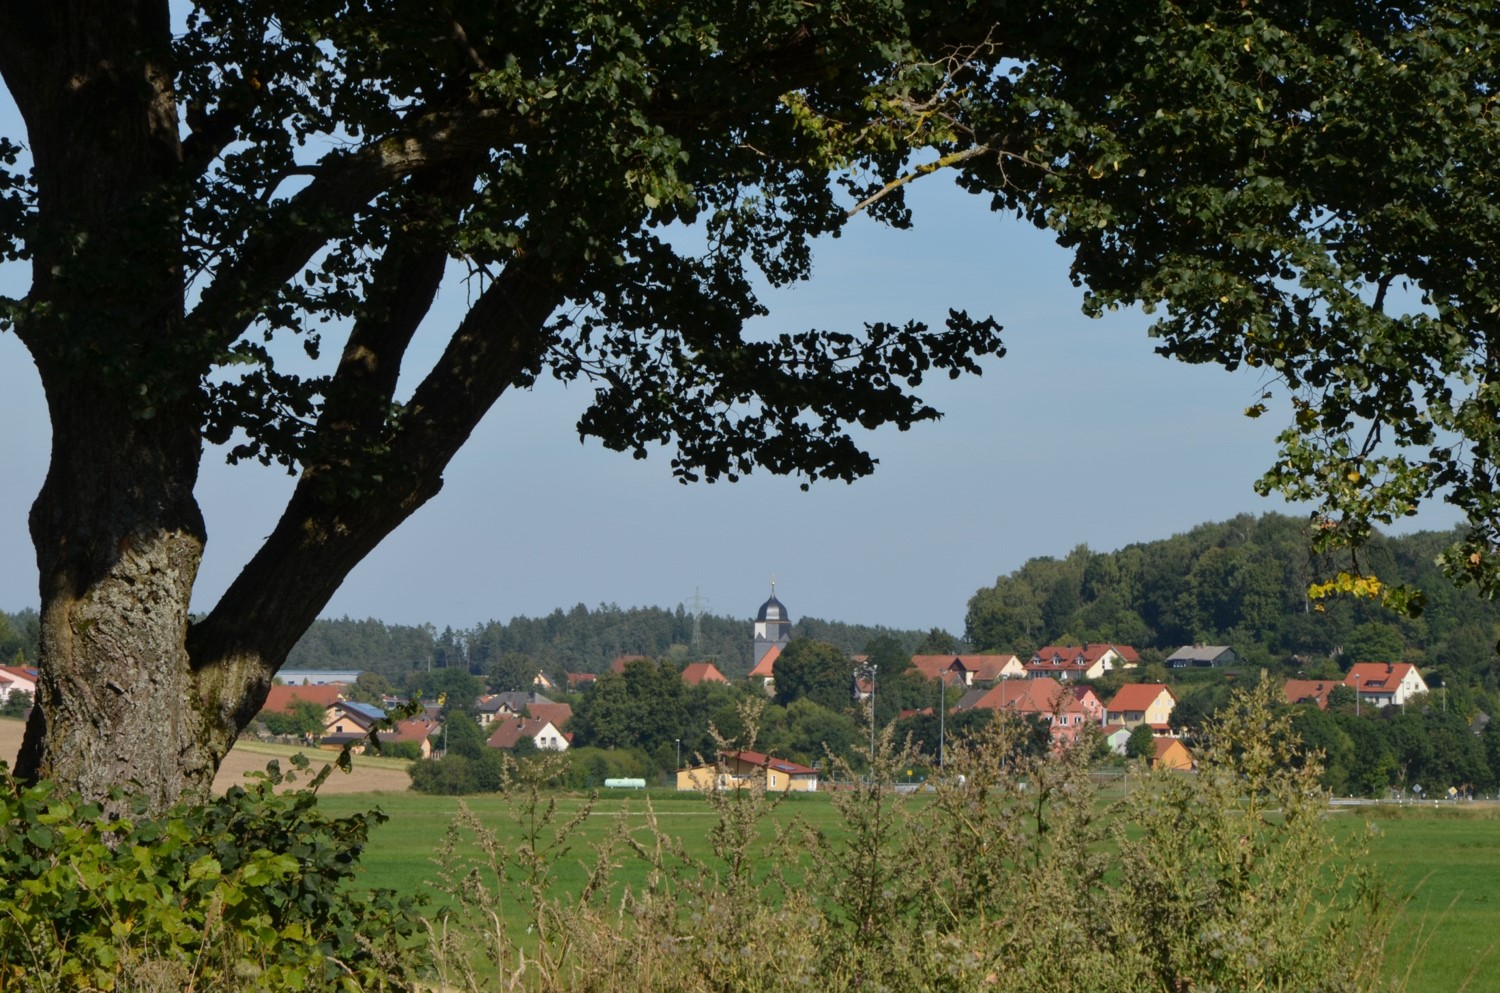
x=1377, y=677
x=702, y=672
x=411, y=729
x=510, y=730
x=618, y=665
x=766, y=667
x=280, y=699
x=1029, y=696
x=1139, y=696
x=988, y=668
x=580, y=679
x=1316, y=690
x=1088, y=654
x=933, y=666
x=778, y=765
x=558, y=713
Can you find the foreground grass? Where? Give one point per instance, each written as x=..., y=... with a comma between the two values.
x=1445, y=860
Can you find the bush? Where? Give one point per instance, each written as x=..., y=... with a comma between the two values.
x=461, y=775
x=249, y=891
x=588, y=768
x=410, y=750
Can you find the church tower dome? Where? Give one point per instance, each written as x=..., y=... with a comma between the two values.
x=773, y=626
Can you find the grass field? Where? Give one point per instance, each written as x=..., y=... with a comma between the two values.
x=1445, y=861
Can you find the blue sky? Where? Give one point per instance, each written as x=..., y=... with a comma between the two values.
x=1081, y=434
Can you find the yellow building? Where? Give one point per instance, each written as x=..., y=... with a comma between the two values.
x=736, y=770
x=1141, y=703
x=1171, y=754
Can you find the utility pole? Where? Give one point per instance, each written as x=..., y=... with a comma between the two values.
x=942, y=719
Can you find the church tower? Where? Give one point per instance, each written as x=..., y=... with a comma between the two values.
x=773, y=629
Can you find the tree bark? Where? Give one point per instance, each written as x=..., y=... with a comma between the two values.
x=117, y=532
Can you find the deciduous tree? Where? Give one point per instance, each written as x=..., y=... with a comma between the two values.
x=313, y=173
x=1271, y=177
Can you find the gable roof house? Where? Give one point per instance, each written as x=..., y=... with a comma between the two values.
x=988, y=668
x=1170, y=753
x=540, y=730
x=1203, y=657
x=1081, y=662
x=1309, y=691
x=765, y=669
x=702, y=672
x=1042, y=698
x=513, y=703
x=1141, y=703
x=17, y=679
x=951, y=669
x=344, y=718
x=559, y=714
x=1385, y=683
x=279, y=699
x=735, y=770
x=968, y=669
x=487, y=708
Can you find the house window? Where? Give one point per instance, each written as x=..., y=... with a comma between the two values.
x=773, y=779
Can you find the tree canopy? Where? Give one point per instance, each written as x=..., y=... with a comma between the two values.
x=192, y=201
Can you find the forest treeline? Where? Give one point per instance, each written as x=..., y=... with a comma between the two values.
x=1241, y=582
x=576, y=640
x=1244, y=583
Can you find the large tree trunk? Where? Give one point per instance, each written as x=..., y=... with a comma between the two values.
x=118, y=539
x=118, y=535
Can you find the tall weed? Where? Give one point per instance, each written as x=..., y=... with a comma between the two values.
x=1013, y=874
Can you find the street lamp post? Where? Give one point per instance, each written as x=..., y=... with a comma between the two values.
x=679, y=753
x=942, y=719
x=1356, y=696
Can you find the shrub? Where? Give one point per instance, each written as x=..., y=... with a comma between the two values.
x=248, y=891
x=461, y=775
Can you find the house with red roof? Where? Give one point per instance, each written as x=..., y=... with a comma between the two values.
x=1065, y=662
x=581, y=680
x=540, y=730
x=702, y=672
x=736, y=770
x=621, y=661
x=280, y=698
x=1383, y=684
x=1170, y=753
x=1141, y=703
x=17, y=679
x=559, y=714
x=1042, y=698
x=765, y=669
x=1309, y=691
x=968, y=670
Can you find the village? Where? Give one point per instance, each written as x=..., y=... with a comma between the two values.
x=1063, y=691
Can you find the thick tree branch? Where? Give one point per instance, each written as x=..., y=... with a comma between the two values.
x=297, y=229
x=318, y=541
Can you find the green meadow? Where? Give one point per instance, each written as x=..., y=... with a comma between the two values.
x=1442, y=862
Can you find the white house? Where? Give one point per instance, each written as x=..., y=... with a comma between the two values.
x=1383, y=684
